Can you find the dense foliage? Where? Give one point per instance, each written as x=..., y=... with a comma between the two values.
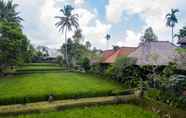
x=181, y=33
x=15, y=48
x=125, y=71
x=78, y=54
x=169, y=87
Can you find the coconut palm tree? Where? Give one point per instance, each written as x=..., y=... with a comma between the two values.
x=108, y=36
x=8, y=12
x=172, y=20
x=66, y=23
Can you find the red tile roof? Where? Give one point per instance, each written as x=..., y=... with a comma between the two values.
x=110, y=56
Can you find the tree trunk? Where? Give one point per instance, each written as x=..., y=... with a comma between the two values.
x=107, y=44
x=172, y=34
x=66, y=50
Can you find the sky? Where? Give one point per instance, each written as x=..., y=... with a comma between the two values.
x=125, y=20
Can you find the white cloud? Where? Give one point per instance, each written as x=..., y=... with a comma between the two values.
x=79, y=2
x=39, y=22
x=151, y=11
x=96, y=34
x=131, y=39
x=93, y=29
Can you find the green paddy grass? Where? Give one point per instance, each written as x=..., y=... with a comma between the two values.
x=38, y=67
x=110, y=111
x=62, y=85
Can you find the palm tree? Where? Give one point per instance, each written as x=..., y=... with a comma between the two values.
x=66, y=23
x=108, y=36
x=8, y=12
x=172, y=20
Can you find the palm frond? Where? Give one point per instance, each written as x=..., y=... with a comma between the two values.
x=168, y=15
x=67, y=21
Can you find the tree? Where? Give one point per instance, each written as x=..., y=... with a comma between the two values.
x=66, y=23
x=88, y=45
x=43, y=50
x=85, y=64
x=108, y=36
x=181, y=33
x=13, y=45
x=78, y=36
x=8, y=12
x=149, y=35
x=172, y=20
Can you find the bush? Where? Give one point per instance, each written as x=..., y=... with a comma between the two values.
x=153, y=93
x=85, y=64
x=170, y=91
x=97, y=69
x=125, y=71
x=169, y=70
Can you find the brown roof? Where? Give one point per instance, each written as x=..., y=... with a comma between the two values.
x=155, y=53
x=109, y=56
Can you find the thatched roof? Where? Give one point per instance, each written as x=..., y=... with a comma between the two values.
x=155, y=53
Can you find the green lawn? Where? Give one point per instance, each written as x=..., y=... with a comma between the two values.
x=63, y=85
x=110, y=111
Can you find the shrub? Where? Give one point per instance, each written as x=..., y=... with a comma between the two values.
x=85, y=64
x=153, y=93
x=169, y=70
x=125, y=71
x=97, y=69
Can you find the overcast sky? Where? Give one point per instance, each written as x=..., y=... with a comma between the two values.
x=125, y=20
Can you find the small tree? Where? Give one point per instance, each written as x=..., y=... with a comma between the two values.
x=85, y=64
x=149, y=35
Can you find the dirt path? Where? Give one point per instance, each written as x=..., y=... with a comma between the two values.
x=62, y=104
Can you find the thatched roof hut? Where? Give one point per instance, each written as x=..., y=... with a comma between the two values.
x=155, y=53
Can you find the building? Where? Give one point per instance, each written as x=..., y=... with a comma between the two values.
x=155, y=53
x=110, y=56
x=148, y=53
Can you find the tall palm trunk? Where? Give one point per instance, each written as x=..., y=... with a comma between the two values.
x=172, y=34
x=107, y=44
x=66, y=50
